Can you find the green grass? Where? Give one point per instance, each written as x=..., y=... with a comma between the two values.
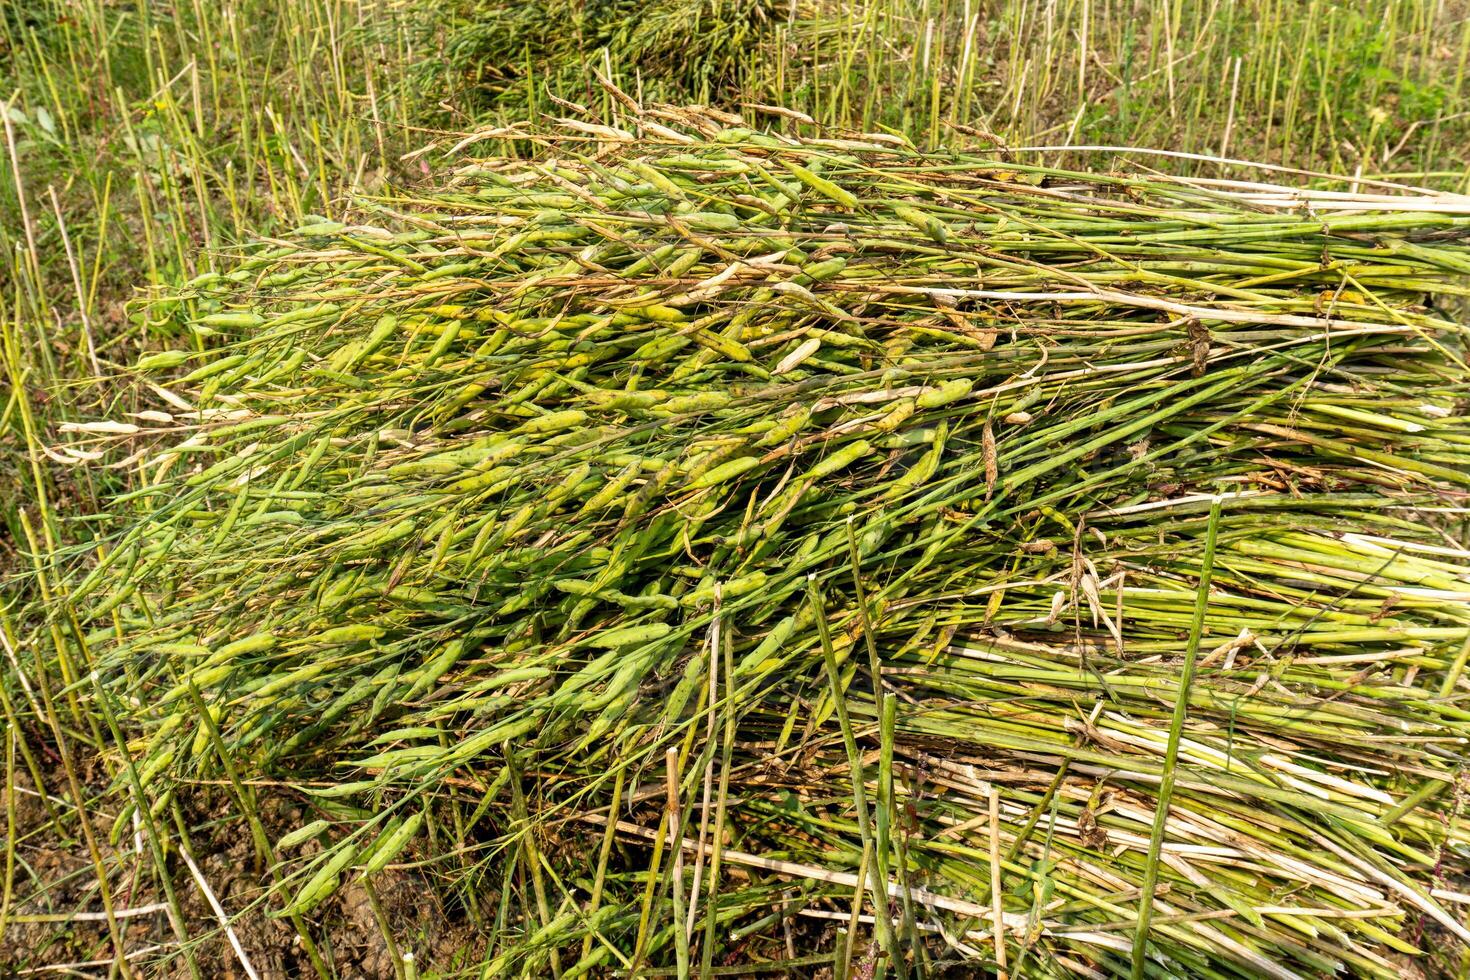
x=141, y=146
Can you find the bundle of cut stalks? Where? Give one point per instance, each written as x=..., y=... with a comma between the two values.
x=503, y=56
x=1072, y=560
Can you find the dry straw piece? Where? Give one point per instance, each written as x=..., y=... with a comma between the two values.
x=873, y=500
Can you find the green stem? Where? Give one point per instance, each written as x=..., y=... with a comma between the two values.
x=1171, y=753
x=882, y=924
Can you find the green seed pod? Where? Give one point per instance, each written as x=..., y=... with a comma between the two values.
x=285, y=682
x=839, y=460
x=575, y=586
x=162, y=360
x=506, y=678
x=723, y=345
x=928, y=224
x=763, y=656
x=921, y=472
x=319, y=228
x=232, y=321
x=725, y=472
x=491, y=481
x=386, y=326
x=629, y=636
x=343, y=635
x=303, y=834
x=785, y=429
x=150, y=769
x=652, y=260
x=610, y=491
x=698, y=403
x=201, y=679
x=553, y=421
x=710, y=221
x=696, y=675
x=391, y=844
x=180, y=649
x=908, y=439
x=255, y=643
x=122, y=824
x=657, y=312
x=629, y=401
x=452, y=653
x=297, y=316
x=657, y=179
x=900, y=413
x=821, y=271
x=116, y=599
x=367, y=543
x=211, y=369
x=447, y=337
x=732, y=589
x=950, y=391
x=201, y=731
x=821, y=185
x=661, y=348
x=320, y=886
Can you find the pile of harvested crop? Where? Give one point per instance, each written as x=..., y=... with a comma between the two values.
x=1047, y=551
x=504, y=56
